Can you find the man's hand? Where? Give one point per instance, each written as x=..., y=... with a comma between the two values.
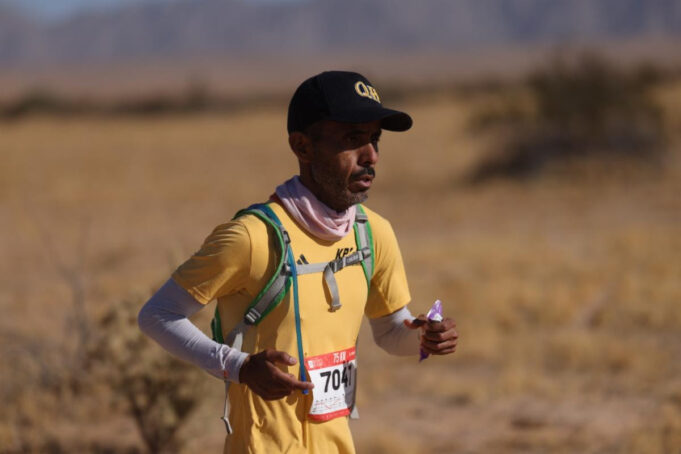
x=260, y=373
x=438, y=338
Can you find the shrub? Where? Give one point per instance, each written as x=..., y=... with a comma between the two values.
x=576, y=109
x=158, y=391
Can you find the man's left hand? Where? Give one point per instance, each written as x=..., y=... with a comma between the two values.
x=437, y=338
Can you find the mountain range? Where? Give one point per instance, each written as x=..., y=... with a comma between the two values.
x=184, y=28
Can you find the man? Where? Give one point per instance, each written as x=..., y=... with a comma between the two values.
x=294, y=372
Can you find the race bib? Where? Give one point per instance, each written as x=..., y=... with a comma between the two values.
x=334, y=376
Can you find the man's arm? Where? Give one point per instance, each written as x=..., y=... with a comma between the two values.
x=391, y=334
x=165, y=318
x=394, y=333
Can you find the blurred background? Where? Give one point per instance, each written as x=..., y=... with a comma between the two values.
x=538, y=195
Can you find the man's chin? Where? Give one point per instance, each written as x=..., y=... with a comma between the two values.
x=359, y=197
x=348, y=198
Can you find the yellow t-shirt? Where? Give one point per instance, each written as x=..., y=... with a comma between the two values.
x=234, y=264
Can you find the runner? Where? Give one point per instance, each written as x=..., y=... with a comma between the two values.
x=293, y=278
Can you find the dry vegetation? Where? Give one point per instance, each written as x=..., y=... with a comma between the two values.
x=566, y=288
x=570, y=109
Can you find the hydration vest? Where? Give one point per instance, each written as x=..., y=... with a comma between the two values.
x=285, y=277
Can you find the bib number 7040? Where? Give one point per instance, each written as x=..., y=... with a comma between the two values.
x=334, y=378
x=334, y=375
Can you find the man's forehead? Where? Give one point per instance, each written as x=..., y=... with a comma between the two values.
x=331, y=126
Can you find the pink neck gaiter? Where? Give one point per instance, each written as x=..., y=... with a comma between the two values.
x=319, y=220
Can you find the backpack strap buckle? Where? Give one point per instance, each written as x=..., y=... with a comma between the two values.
x=284, y=233
x=252, y=316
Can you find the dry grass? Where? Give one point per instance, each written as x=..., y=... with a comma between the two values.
x=566, y=290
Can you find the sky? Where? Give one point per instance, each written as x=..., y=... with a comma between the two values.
x=61, y=8
x=56, y=9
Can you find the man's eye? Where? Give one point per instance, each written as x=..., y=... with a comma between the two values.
x=354, y=141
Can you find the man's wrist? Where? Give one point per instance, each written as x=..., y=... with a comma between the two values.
x=233, y=365
x=242, y=369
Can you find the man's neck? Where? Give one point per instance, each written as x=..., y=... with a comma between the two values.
x=314, y=188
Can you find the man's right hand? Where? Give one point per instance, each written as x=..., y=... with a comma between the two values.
x=260, y=373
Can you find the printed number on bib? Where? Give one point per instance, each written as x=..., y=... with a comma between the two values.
x=334, y=375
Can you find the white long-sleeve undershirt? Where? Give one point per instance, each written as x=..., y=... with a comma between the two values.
x=392, y=336
x=165, y=318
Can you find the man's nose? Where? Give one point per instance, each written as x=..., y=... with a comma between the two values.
x=369, y=155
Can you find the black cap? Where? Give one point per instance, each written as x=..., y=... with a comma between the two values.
x=342, y=96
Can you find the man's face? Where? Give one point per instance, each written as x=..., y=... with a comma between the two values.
x=343, y=160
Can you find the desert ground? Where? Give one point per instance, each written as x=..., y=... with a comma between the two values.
x=566, y=287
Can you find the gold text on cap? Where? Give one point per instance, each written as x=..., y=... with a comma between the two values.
x=367, y=91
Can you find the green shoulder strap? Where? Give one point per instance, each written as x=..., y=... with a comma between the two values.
x=280, y=282
x=277, y=286
x=364, y=239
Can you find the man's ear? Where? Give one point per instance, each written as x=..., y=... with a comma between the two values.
x=301, y=146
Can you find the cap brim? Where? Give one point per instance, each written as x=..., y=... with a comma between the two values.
x=396, y=121
x=391, y=120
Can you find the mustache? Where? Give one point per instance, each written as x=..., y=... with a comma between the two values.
x=365, y=171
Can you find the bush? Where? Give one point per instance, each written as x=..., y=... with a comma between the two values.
x=576, y=109
x=158, y=391
x=123, y=375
